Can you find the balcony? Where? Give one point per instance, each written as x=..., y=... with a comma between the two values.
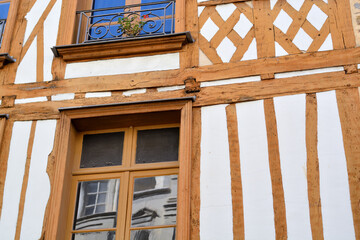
x=129, y=30
x=152, y=19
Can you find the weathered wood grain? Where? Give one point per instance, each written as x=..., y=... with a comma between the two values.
x=313, y=178
x=235, y=171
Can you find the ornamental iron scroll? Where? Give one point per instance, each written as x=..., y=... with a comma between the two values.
x=155, y=18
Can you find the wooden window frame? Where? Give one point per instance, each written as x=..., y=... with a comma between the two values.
x=7, y=35
x=71, y=52
x=66, y=153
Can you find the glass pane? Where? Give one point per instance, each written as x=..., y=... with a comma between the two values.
x=4, y=9
x=97, y=209
x=154, y=201
x=153, y=234
x=157, y=145
x=94, y=236
x=100, y=150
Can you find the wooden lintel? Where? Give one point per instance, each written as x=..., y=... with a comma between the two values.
x=296, y=62
x=123, y=82
x=123, y=47
x=224, y=94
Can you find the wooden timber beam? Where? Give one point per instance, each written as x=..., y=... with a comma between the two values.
x=223, y=94
x=176, y=77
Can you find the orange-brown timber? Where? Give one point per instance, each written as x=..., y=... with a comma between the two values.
x=275, y=170
x=40, y=56
x=195, y=175
x=4, y=154
x=264, y=30
x=349, y=111
x=235, y=171
x=313, y=178
x=233, y=93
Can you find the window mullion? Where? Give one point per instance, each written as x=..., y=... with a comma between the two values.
x=122, y=205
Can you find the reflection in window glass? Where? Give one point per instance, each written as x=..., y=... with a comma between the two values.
x=154, y=201
x=153, y=234
x=97, y=204
x=157, y=145
x=95, y=236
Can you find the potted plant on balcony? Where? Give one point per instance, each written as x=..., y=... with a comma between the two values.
x=132, y=25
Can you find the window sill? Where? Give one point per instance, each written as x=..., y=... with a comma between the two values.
x=5, y=58
x=123, y=47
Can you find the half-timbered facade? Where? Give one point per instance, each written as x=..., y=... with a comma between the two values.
x=179, y=119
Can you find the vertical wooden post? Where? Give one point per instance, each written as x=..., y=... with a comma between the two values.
x=264, y=29
x=235, y=171
x=312, y=167
x=349, y=110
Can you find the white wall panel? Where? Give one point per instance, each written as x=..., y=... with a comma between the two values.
x=33, y=17
x=38, y=188
x=215, y=179
x=123, y=66
x=291, y=125
x=51, y=26
x=255, y=172
x=14, y=179
x=334, y=185
x=26, y=72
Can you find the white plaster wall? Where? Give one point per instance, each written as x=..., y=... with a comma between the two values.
x=97, y=94
x=230, y=81
x=215, y=179
x=251, y=53
x=33, y=16
x=51, y=26
x=334, y=186
x=30, y=100
x=255, y=172
x=123, y=66
x=14, y=179
x=26, y=72
x=63, y=96
x=308, y=72
x=38, y=188
x=291, y=126
x=135, y=91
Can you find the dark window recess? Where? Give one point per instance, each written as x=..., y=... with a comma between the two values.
x=157, y=145
x=101, y=150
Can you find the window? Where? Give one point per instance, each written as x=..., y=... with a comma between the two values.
x=90, y=29
x=4, y=10
x=139, y=18
x=123, y=173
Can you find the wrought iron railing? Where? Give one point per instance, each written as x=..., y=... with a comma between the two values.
x=155, y=18
x=2, y=29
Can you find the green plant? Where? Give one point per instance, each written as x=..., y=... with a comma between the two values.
x=131, y=25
